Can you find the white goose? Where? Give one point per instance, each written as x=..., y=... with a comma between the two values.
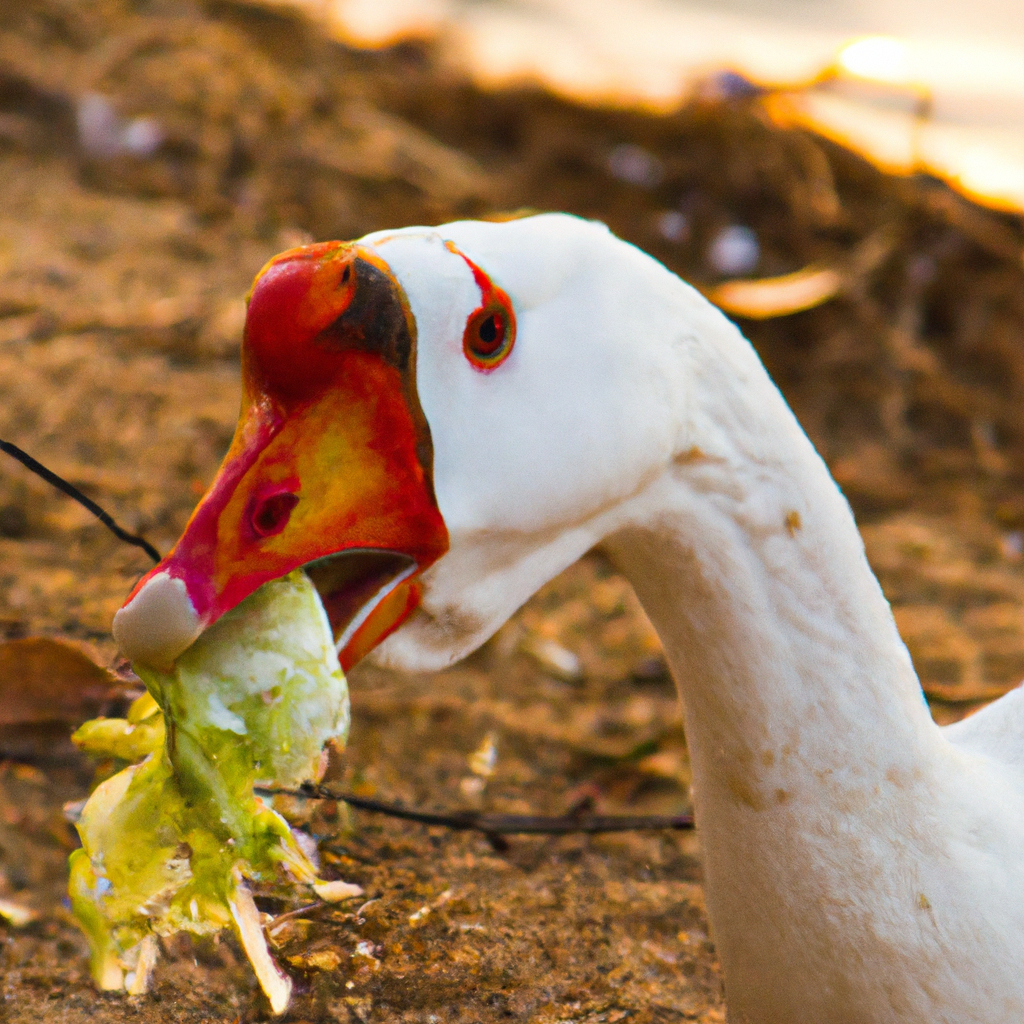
x=458, y=413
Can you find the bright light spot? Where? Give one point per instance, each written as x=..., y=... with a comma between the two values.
x=988, y=174
x=673, y=226
x=380, y=22
x=734, y=250
x=483, y=760
x=633, y=164
x=876, y=58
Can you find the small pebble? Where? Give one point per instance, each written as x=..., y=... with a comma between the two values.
x=142, y=137
x=1012, y=545
x=728, y=85
x=735, y=250
x=16, y=914
x=472, y=786
x=102, y=134
x=99, y=129
x=366, y=950
x=334, y=892
x=317, y=960
x=673, y=226
x=554, y=658
x=634, y=165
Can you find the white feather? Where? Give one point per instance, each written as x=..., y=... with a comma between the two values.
x=861, y=864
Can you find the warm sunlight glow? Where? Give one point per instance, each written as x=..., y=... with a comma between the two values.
x=990, y=171
x=989, y=177
x=876, y=58
x=950, y=103
x=379, y=22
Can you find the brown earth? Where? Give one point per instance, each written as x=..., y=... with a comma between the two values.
x=122, y=278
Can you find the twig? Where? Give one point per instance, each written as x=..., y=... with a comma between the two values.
x=302, y=911
x=496, y=824
x=73, y=492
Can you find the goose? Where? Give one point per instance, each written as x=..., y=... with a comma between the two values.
x=437, y=421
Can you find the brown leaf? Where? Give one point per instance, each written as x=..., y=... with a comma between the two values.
x=44, y=680
x=47, y=688
x=777, y=296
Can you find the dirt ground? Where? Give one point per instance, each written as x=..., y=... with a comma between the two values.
x=152, y=156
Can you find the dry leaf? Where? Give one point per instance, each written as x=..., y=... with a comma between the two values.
x=777, y=296
x=318, y=960
x=15, y=914
x=44, y=680
x=47, y=688
x=334, y=892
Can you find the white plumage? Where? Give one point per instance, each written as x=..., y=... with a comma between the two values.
x=862, y=864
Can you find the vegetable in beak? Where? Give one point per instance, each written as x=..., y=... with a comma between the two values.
x=170, y=844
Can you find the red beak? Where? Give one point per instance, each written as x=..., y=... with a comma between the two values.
x=330, y=467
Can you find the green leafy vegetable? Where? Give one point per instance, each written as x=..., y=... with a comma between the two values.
x=169, y=844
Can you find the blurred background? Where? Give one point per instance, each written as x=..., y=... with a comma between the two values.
x=845, y=179
x=963, y=62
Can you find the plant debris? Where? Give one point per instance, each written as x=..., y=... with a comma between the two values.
x=173, y=842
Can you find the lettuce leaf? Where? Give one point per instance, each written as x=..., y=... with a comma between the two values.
x=171, y=843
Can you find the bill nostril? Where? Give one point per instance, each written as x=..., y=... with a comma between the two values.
x=271, y=514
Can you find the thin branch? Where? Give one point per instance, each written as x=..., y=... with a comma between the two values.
x=496, y=824
x=309, y=908
x=73, y=492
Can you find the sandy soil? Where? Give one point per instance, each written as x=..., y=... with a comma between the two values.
x=122, y=273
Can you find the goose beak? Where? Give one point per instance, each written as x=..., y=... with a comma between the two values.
x=330, y=468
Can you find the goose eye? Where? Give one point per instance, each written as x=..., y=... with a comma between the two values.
x=271, y=514
x=488, y=337
x=490, y=334
x=491, y=329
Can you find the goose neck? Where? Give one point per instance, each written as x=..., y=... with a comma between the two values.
x=748, y=561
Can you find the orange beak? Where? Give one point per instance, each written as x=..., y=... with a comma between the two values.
x=330, y=467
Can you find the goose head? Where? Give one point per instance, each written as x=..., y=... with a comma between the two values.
x=435, y=422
